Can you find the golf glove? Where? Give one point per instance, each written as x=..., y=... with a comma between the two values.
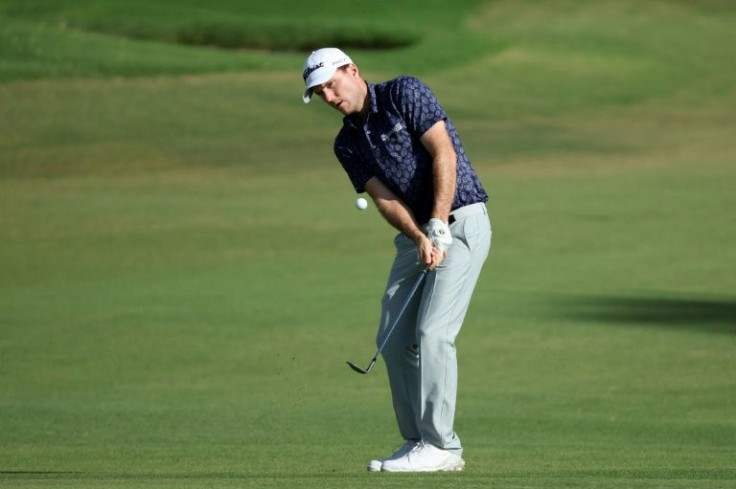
x=438, y=233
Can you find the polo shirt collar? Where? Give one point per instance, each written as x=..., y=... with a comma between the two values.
x=353, y=120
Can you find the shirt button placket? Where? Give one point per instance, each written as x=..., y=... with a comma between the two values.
x=374, y=149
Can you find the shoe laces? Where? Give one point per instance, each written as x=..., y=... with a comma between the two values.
x=420, y=445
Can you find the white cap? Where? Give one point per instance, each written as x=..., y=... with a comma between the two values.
x=320, y=66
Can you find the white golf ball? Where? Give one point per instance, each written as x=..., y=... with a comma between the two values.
x=361, y=203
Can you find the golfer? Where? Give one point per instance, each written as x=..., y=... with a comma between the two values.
x=398, y=145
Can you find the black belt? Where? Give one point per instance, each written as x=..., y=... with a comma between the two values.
x=465, y=211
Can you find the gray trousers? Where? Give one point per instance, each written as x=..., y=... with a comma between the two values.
x=420, y=356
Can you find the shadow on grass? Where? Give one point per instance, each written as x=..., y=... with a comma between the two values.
x=717, y=316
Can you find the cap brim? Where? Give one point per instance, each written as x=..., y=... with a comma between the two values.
x=307, y=95
x=319, y=79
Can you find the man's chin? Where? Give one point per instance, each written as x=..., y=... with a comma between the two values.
x=342, y=108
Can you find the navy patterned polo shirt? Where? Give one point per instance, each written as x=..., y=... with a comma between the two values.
x=388, y=147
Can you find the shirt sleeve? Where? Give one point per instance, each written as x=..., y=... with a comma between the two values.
x=357, y=171
x=418, y=105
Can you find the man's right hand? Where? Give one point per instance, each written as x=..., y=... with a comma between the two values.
x=400, y=217
x=429, y=255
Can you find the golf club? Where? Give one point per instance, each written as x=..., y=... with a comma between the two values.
x=391, y=329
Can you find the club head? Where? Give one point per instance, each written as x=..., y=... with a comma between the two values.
x=360, y=370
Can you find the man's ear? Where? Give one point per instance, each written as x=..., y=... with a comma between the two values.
x=352, y=70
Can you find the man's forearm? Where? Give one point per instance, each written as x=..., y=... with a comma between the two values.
x=445, y=180
x=438, y=143
x=400, y=217
x=393, y=209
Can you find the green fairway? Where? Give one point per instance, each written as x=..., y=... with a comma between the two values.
x=183, y=272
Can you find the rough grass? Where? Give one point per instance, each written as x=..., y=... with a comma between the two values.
x=130, y=38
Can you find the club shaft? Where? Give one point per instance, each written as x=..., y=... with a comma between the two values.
x=400, y=313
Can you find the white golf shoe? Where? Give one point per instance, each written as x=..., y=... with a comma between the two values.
x=424, y=457
x=376, y=465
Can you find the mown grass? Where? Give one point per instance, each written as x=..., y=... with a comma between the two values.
x=183, y=273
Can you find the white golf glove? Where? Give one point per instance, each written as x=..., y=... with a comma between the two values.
x=438, y=233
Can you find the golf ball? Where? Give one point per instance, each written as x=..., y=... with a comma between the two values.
x=361, y=203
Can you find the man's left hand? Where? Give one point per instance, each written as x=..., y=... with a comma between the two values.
x=439, y=234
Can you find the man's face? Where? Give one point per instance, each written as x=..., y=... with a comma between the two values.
x=344, y=91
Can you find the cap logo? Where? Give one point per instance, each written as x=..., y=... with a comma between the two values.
x=312, y=68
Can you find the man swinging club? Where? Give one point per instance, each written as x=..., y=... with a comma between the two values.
x=398, y=145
